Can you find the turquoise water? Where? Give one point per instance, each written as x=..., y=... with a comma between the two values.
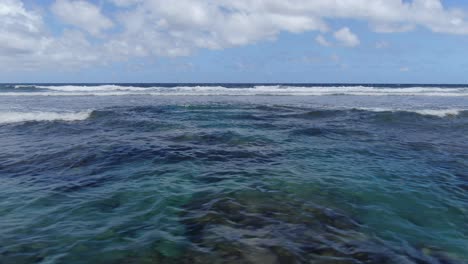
x=132, y=178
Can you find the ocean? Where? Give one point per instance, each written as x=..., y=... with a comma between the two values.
x=233, y=173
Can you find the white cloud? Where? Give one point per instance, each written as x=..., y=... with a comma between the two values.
x=20, y=30
x=346, y=37
x=320, y=39
x=81, y=14
x=26, y=44
x=180, y=27
x=404, y=69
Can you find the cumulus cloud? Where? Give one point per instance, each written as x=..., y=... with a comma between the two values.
x=180, y=27
x=320, y=39
x=81, y=14
x=346, y=37
x=20, y=30
x=26, y=44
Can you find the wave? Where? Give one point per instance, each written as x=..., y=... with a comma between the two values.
x=38, y=116
x=425, y=112
x=271, y=90
x=99, y=88
x=440, y=113
x=16, y=117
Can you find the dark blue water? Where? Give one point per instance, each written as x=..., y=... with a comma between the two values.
x=229, y=173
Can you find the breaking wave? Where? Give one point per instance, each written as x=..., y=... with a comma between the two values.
x=16, y=117
x=39, y=116
x=271, y=90
x=100, y=88
x=425, y=112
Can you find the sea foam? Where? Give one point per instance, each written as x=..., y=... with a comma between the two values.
x=16, y=117
x=265, y=90
x=427, y=112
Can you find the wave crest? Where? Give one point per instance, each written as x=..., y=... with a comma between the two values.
x=278, y=90
x=426, y=112
x=17, y=117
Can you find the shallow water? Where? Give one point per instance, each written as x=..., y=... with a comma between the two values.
x=250, y=178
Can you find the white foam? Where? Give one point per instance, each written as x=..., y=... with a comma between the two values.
x=98, y=88
x=16, y=94
x=439, y=113
x=428, y=112
x=15, y=117
x=275, y=90
x=23, y=86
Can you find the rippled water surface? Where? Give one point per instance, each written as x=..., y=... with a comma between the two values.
x=120, y=174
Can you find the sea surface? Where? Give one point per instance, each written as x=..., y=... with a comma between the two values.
x=233, y=173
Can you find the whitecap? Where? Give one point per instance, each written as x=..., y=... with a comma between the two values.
x=84, y=88
x=427, y=112
x=439, y=112
x=16, y=117
x=270, y=90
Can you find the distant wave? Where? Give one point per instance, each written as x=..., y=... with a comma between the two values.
x=439, y=113
x=427, y=112
x=16, y=117
x=99, y=88
x=266, y=90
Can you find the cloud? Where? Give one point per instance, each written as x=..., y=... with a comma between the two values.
x=346, y=37
x=26, y=44
x=20, y=30
x=181, y=27
x=320, y=39
x=178, y=28
x=81, y=14
x=404, y=69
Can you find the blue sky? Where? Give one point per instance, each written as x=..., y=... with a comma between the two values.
x=317, y=41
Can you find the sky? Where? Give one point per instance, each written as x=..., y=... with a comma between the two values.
x=241, y=41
